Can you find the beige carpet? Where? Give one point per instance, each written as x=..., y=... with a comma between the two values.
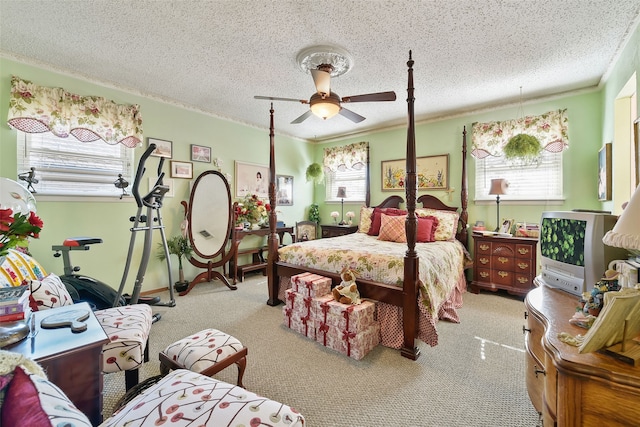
x=474, y=377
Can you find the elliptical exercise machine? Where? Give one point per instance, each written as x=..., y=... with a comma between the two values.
x=152, y=203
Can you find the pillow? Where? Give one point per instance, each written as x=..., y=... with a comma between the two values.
x=375, y=218
x=447, y=222
x=392, y=229
x=48, y=293
x=32, y=401
x=365, y=219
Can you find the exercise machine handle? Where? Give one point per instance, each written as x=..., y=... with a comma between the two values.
x=140, y=173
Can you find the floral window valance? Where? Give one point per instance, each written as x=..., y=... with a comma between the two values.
x=551, y=129
x=37, y=109
x=352, y=156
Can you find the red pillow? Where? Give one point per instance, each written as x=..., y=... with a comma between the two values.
x=426, y=229
x=376, y=218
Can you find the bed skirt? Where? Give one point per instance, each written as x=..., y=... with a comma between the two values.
x=390, y=316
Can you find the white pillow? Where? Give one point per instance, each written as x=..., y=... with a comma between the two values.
x=48, y=293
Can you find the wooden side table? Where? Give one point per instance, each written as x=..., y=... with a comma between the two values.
x=507, y=263
x=72, y=361
x=258, y=258
x=334, y=230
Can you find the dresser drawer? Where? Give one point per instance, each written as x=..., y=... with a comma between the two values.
x=502, y=277
x=483, y=248
x=483, y=275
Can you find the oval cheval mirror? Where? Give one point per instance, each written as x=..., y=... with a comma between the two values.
x=210, y=219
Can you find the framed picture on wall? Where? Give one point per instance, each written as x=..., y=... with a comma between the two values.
x=252, y=179
x=181, y=169
x=164, y=148
x=604, y=173
x=200, y=153
x=432, y=173
x=284, y=190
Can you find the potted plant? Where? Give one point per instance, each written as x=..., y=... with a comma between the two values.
x=179, y=246
x=523, y=147
x=314, y=213
x=315, y=173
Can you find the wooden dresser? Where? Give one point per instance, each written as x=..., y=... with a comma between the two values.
x=337, y=230
x=507, y=263
x=566, y=387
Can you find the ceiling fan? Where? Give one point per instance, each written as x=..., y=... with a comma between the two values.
x=326, y=104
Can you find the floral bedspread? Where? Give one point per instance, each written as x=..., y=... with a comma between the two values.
x=440, y=263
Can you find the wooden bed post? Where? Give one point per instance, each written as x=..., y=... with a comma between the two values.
x=410, y=288
x=464, y=215
x=272, y=239
x=367, y=197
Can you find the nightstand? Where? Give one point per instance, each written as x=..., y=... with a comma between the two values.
x=507, y=263
x=334, y=230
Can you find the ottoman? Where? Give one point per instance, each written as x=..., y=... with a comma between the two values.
x=206, y=352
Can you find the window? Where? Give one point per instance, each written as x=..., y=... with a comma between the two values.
x=355, y=182
x=346, y=166
x=541, y=181
x=68, y=167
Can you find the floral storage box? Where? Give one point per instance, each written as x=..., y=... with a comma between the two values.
x=311, y=285
x=351, y=318
x=354, y=345
x=297, y=313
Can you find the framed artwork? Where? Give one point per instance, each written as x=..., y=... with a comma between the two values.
x=636, y=141
x=200, y=153
x=284, y=190
x=505, y=227
x=252, y=179
x=181, y=169
x=166, y=181
x=432, y=173
x=163, y=148
x=604, y=173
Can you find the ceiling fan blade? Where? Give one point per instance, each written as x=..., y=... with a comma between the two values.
x=322, y=80
x=273, y=98
x=302, y=118
x=371, y=97
x=354, y=117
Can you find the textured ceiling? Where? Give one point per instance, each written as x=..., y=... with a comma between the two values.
x=214, y=56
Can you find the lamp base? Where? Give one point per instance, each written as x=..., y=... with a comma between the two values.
x=342, y=223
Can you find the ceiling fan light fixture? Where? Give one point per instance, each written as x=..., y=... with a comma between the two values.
x=320, y=56
x=325, y=108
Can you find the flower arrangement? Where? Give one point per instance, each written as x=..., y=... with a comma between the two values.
x=252, y=210
x=335, y=215
x=16, y=228
x=350, y=215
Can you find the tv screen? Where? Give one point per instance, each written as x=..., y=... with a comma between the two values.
x=562, y=240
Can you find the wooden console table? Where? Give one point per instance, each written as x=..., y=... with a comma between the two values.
x=566, y=387
x=72, y=361
x=259, y=260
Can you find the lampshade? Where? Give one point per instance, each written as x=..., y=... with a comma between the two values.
x=498, y=186
x=342, y=193
x=626, y=232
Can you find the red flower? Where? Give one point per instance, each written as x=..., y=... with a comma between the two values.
x=15, y=229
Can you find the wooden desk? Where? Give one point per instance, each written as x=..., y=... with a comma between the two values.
x=566, y=387
x=72, y=361
x=259, y=260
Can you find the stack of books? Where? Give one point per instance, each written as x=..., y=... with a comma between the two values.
x=14, y=303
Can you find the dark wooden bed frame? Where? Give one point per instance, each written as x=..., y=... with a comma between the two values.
x=407, y=296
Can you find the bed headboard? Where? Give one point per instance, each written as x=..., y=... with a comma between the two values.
x=391, y=202
x=429, y=201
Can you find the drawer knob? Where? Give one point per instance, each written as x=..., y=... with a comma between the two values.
x=525, y=330
x=483, y=261
x=523, y=280
x=526, y=314
x=503, y=260
x=484, y=247
x=523, y=251
x=484, y=274
x=523, y=265
x=503, y=274
x=538, y=371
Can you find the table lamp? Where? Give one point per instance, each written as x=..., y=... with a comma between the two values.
x=342, y=193
x=626, y=232
x=498, y=187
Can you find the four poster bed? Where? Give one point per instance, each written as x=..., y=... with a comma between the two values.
x=414, y=283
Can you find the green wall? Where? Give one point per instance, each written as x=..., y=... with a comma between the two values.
x=109, y=219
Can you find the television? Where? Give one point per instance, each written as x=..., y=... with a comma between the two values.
x=573, y=257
